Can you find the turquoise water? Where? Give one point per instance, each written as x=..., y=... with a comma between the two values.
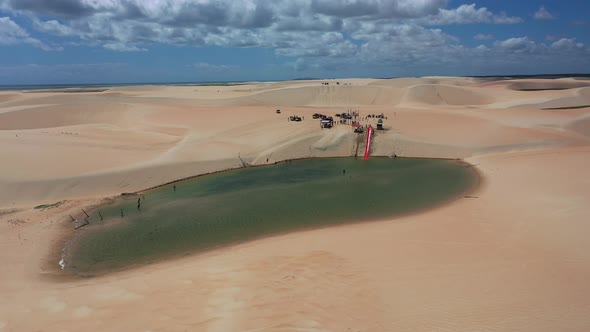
x=240, y=205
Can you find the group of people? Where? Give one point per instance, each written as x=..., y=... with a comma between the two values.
x=373, y=116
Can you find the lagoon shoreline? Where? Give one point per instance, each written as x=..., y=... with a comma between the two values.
x=475, y=180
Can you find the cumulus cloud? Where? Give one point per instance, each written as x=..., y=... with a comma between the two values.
x=469, y=14
x=436, y=52
x=315, y=34
x=406, y=44
x=543, y=14
x=53, y=27
x=377, y=8
x=328, y=44
x=292, y=27
x=522, y=52
x=61, y=8
x=123, y=48
x=312, y=22
x=11, y=34
x=568, y=44
x=516, y=45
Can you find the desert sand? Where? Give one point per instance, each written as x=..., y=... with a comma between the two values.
x=513, y=256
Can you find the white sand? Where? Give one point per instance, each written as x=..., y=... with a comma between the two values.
x=514, y=259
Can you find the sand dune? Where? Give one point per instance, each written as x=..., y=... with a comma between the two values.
x=436, y=94
x=526, y=85
x=575, y=98
x=382, y=92
x=407, y=82
x=581, y=125
x=584, y=92
x=62, y=115
x=4, y=97
x=138, y=88
x=512, y=256
x=142, y=130
x=333, y=96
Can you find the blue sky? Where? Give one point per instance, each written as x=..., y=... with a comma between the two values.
x=124, y=41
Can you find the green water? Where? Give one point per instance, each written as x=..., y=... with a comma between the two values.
x=241, y=205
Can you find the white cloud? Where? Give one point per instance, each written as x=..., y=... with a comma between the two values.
x=325, y=35
x=406, y=44
x=53, y=27
x=430, y=50
x=527, y=53
x=309, y=28
x=314, y=44
x=314, y=22
x=12, y=34
x=123, y=48
x=468, y=14
x=543, y=14
x=567, y=44
x=376, y=8
x=9, y=29
x=516, y=45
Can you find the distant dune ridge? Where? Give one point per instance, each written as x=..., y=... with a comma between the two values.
x=513, y=255
x=138, y=130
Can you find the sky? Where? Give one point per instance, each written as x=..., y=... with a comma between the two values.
x=138, y=41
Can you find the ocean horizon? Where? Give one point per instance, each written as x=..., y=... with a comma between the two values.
x=108, y=85
x=222, y=83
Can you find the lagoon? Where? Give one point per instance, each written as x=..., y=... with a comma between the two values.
x=240, y=205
